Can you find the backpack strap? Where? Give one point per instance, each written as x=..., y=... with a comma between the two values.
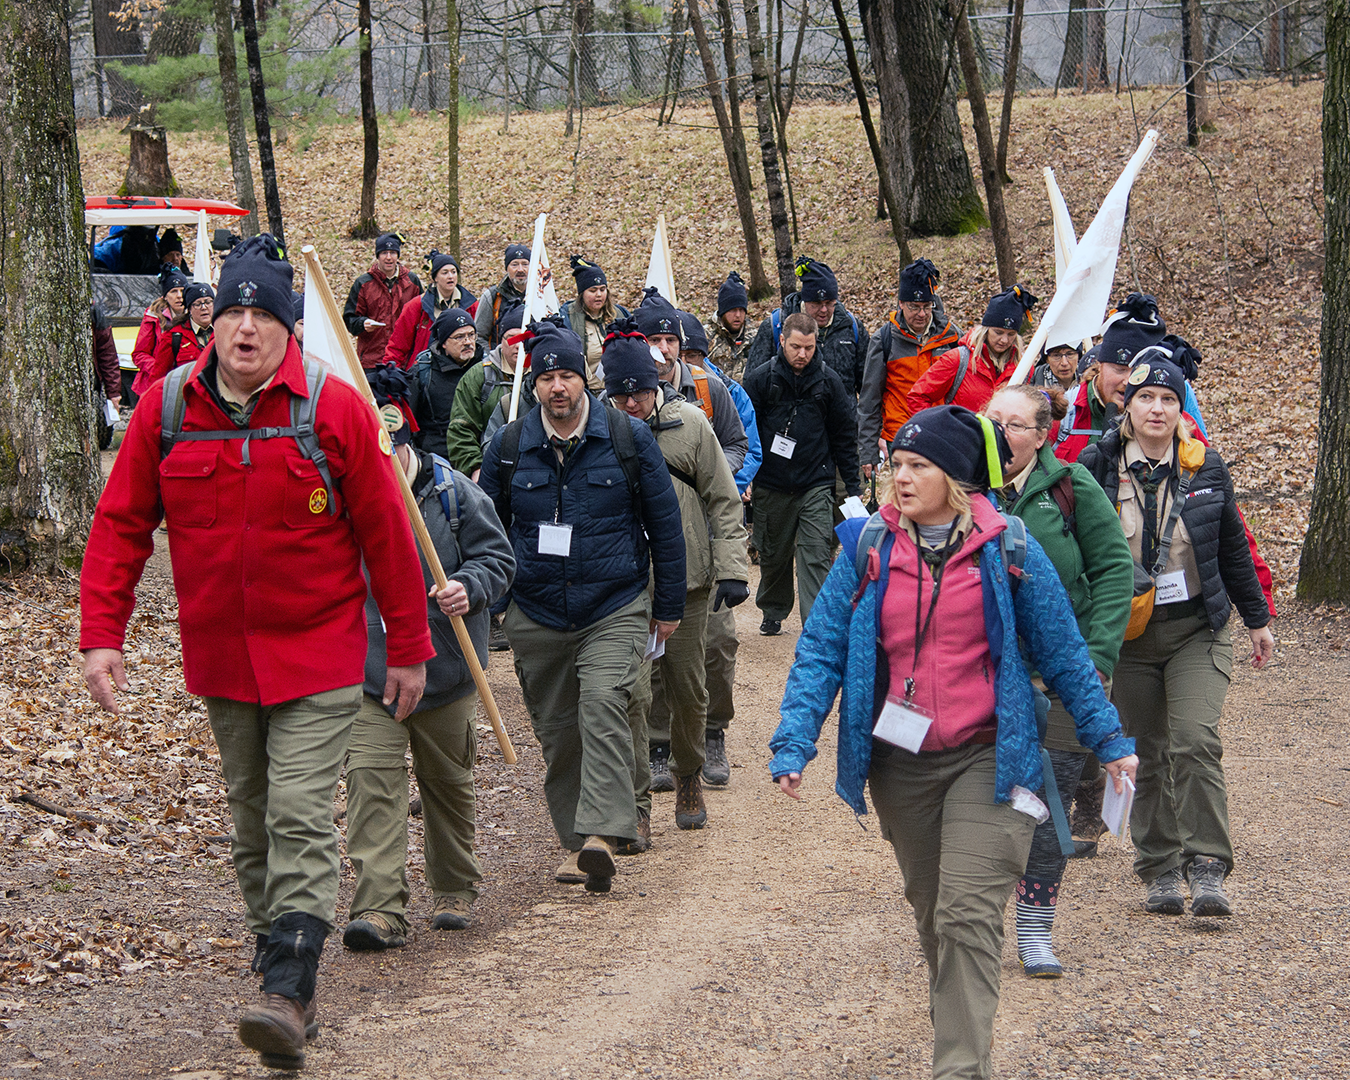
x=176, y=343
x=1062, y=492
x=491, y=377
x=875, y=537
x=855, y=328
x=302, y=424
x=496, y=310
x=508, y=457
x=443, y=474
x=701, y=389
x=961, y=370
x=172, y=409
x=625, y=449
x=1052, y=799
x=1013, y=548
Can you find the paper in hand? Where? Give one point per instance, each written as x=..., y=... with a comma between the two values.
x=654, y=650
x=853, y=507
x=1116, y=808
x=109, y=413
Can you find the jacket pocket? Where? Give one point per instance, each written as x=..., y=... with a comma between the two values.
x=187, y=485
x=308, y=504
x=607, y=492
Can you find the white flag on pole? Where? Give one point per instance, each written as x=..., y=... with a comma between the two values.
x=660, y=272
x=1066, y=240
x=201, y=270
x=540, y=299
x=1081, y=296
x=321, y=336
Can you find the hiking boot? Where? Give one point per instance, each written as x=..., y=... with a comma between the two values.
x=311, y=1019
x=497, y=641
x=569, y=873
x=451, y=913
x=1205, y=877
x=643, y=843
x=716, y=767
x=753, y=553
x=771, y=627
x=275, y=1028
x=661, y=778
x=1164, y=894
x=690, y=813
x=371, y=932
x=1085, y=821
x=596, y=860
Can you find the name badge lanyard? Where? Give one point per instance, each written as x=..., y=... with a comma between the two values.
x=1161, y=544
x=787, y=428
x=921, y=629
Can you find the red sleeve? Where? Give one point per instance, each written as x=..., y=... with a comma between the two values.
x=380, y=522
x=143, y=352
x=1263, y=574
x=931, y=387
x=399, y=349
x=163, y=362
x=122, y=535
x=105, y=360
x=472, y=310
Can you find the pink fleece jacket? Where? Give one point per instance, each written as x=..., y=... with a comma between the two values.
x=954, y=681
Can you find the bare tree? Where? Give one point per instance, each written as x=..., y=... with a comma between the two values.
x=1013, y=60
x=1083, y=62
x=759, y=287
x=366, y=226
x=117, y=32
x=452, y=125
x=768, y=150
x=49, y=465
x=728, y=28
x=262, y=123
x=1324, y=567
x=234, y=115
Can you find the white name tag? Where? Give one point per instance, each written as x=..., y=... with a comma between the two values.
x=555, y=539
x=902, y=725
x=782, y=446
x=1171, y=588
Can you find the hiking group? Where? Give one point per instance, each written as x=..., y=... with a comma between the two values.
x=1041, y=591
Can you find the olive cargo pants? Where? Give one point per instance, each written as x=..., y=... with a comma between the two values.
x=792, y=527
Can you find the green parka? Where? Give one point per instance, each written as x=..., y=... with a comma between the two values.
x=476, y=396
x=1093, y=560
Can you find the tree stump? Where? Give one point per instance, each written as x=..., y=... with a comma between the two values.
x=148, y=171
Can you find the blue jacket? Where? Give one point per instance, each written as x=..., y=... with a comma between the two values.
x=610, y=560
x=755, y=454
x=838, y=650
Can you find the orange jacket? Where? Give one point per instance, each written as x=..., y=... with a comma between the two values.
x=979, y=385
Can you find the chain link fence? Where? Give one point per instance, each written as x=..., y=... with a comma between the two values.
x=524, y=59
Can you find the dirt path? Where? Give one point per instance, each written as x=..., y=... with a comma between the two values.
x=775, y=942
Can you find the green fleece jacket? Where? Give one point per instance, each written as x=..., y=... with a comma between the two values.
x=472, y=409
x=1093, y=560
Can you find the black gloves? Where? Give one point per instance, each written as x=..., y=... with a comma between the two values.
x=731, y=593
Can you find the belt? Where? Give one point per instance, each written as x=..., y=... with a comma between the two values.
x=1184, y=609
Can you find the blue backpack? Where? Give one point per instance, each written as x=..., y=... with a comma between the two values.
x=1013, y=547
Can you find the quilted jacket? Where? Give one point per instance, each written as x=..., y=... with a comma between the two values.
x=837, y=655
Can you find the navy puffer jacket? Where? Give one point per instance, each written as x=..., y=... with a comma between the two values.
x=1218, y=537
x=610, y=560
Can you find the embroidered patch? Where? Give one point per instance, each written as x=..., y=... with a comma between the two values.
x=386, y=445
x=318, y=501
x=1139, y=374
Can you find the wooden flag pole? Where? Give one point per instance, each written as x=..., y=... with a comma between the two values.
x=314, y=269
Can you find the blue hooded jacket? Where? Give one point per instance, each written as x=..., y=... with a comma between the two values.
x=755, y=453
x=838, y=652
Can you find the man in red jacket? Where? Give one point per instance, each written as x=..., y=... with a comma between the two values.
x=267, y=541
x=376, y=299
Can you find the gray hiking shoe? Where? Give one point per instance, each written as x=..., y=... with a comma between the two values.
x=1205, y=877
x=660, y=761
x=716, y=767
x=1164, y=894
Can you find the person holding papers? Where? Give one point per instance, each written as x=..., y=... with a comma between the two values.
x=1069, y=515
x=922, y=590
x=1192, y=562
x=589, y=507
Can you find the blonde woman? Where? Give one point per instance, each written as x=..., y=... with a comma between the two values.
x=589, y=315
x=985, y=359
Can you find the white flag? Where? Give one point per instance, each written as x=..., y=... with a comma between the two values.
x=1066, y=240
x=1081, y=297
x=540, y=299
x=201, y=271
x=321, y=336
x=660, y=273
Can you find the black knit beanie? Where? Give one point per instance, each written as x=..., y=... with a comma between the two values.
x=695, y=337
x=255, y=275
x=958, y=442
x=629, y=365
x=169, y=241
x=588, y=274
x=732, y=295
x=1176, y=350
x=447, y=322
x=514, y=252
x=816, y=281
x=1009, y=309
x=1133, y=326
x=389, y=241
x=918, y=280
x=554, y=348
x=1156, y=371
x=439, y=261
x=656, y=315
x=197, y=290
x=171, y=278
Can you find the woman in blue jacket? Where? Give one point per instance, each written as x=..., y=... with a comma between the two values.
x=952, y=762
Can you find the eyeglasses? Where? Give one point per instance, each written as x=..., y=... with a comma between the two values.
x=1016, y=427
x=640, y=398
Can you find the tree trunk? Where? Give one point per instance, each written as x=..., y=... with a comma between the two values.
x=588, y=79
x=910, y=44
x=234, y=116
x=177, y=34
x=427, y=60
x=632, y=23
x=728, y=27
x=366, y=227
x=1189, y=71
x=768, y=151
x=1083, y=63
x=887, y=205
x=759, y=288
x=984, y=140
x=49, y=463
x=261, y=123
x=452, y=123
x=1010, y=66
x=1324, y=567
x=1197, y=35
x=148, y=171
x=116, y=36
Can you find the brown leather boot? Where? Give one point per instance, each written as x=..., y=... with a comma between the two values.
x=690, y=813
x=643, y=842
x=275, y=1028
x=596, y=858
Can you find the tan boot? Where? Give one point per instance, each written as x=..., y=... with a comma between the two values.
x=596, y=858
x=275, y=1028
x=451, y=913
x=569, y=873
x=690, y=812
